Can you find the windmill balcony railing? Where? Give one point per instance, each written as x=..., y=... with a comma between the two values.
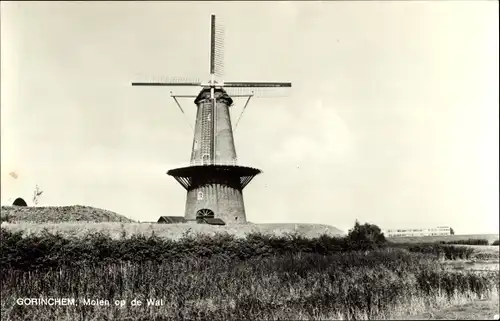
x=208, y=163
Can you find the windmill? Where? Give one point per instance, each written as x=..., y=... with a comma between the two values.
x=214, y=182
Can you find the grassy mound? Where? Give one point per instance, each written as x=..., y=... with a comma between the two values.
x=45, y=214
x=169, y=231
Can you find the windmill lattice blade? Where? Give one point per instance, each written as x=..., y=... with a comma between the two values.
x=212, y=44
x=257, y=92
x=257, y=84
x=218, y=58
x=165, y=84
x=163, y=79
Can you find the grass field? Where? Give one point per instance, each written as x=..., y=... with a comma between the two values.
x=480, y=252
x=446, y=238
x=170, y=231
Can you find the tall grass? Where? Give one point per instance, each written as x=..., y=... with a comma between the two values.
x=262, y=277
x=351, y=285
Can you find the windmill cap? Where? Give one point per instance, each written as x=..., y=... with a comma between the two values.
x=205, y=94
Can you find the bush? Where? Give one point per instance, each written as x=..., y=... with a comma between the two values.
x=48, y=250
x=495, y=243
x=366, y=237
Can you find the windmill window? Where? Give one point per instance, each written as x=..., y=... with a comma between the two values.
x=205, y=159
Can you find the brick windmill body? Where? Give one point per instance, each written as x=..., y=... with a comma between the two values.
x=214, y=181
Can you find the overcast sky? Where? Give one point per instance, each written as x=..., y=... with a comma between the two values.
x=392, y=118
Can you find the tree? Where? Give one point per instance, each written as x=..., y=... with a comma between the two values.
x=452, y=232
x=366, y=236
x=19, y=202
x=36, y=194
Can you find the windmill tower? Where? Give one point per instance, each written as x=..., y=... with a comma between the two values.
x=214, y=181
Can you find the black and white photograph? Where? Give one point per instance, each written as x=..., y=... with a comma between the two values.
x=249, y=160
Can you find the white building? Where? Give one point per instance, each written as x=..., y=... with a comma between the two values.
x=440, y=230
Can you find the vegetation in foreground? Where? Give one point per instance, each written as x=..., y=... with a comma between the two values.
x=354, y=285
x=467, y=242
x=51, y=251
x=223, y=278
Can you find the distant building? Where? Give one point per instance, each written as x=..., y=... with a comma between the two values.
x=440, y=230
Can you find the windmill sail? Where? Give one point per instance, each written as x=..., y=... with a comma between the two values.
x=217, y=32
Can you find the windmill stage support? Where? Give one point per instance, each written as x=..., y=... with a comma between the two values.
x=214, y=181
